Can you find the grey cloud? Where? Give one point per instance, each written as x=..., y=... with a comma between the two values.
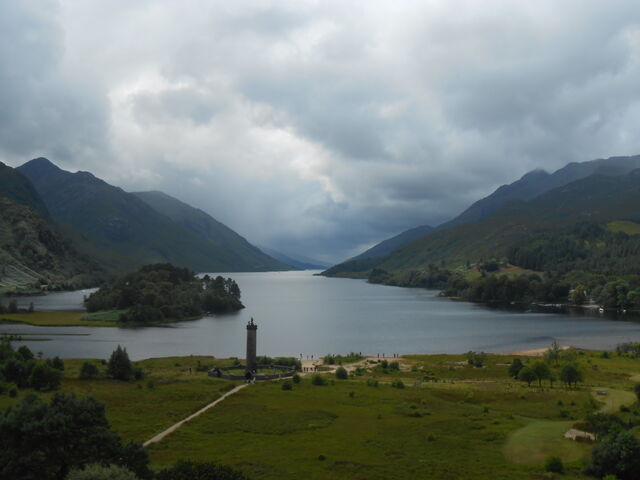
x=319, y=127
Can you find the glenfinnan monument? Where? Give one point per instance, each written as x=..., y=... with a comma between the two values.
x=251, y=346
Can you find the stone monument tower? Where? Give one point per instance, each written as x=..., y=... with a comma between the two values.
x=251, y=346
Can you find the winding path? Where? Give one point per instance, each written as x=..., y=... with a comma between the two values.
x=173, y=428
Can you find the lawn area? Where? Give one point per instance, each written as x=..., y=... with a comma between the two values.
x=54, y=319
x=540, y=439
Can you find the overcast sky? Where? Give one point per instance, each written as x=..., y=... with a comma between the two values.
x=319, y=128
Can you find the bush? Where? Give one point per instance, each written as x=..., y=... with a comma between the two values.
x=341, y=373
x=88, y=370
x=636, y=389
x=394, y=366
x=25, y=353
x=384, y=364
x=617, y=454
x=287, y=385
x=515, y=367
x=397, y=384
x=187, y=470
x=372, y=383
x=318, y=380
x=296, y=378
x=100, y=472
x=554, y=465
x=57, y=363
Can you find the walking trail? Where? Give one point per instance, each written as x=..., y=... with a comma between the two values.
x=173, y=428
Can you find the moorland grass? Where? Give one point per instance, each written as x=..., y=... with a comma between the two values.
x=472, y=423
x=54, y=319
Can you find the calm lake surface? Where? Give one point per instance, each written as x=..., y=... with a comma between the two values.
x=298, y=312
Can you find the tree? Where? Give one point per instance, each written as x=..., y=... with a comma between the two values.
x=187, y=470
x=44, y=441
x=515, y=367
x=119, y=365
x=43, y=378
x=617, y=454
x=318, y=380
x=527, y=375
x=57, y=363
x=552, y=354
x=341, y=373
x=25, y=353
x=570, y=374
x=579, y=295
x=541, y=371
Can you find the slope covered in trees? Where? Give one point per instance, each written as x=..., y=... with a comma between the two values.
x=163, y=292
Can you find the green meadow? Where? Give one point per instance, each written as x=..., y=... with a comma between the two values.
x=471, y=423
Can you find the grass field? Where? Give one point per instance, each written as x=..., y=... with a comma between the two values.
x=630, y=228
x=54, y=319
x=472, y=423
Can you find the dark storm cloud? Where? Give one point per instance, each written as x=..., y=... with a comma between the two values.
x=319, y=128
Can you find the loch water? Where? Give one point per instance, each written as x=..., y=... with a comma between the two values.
x=302, y=313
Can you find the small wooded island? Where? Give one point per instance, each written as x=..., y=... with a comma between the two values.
x=163, y=292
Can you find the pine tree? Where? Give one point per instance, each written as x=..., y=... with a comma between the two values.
x=119, y=366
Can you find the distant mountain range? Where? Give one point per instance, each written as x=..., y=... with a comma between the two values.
x=599, y=190
x=74, y=225
x=300, y=262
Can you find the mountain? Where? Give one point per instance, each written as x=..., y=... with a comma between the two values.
x=528, y=187
x=300, y=262
x=15, y=186
x=537, y=182
x=119, y=229
x=208, y=228
x=387, y=246
x=32, y=250
x=597, y=199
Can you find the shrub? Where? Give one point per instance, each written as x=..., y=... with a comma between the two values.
x=476, y=359
x=88, y=370
x=617, y=454
x=287, y=385
x=384, y=364
x=554, y=465
x=57, y=363
x=636, y=389
x=187, y=470
x=372, y=383
x=318, y=380
x=25, y=353
x=394, y=366
x=397, y=384
x=296, y=378
x=341, y=373
x=100, y=472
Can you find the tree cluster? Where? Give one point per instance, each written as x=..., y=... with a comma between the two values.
x=162, y=291
x=20, y=369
